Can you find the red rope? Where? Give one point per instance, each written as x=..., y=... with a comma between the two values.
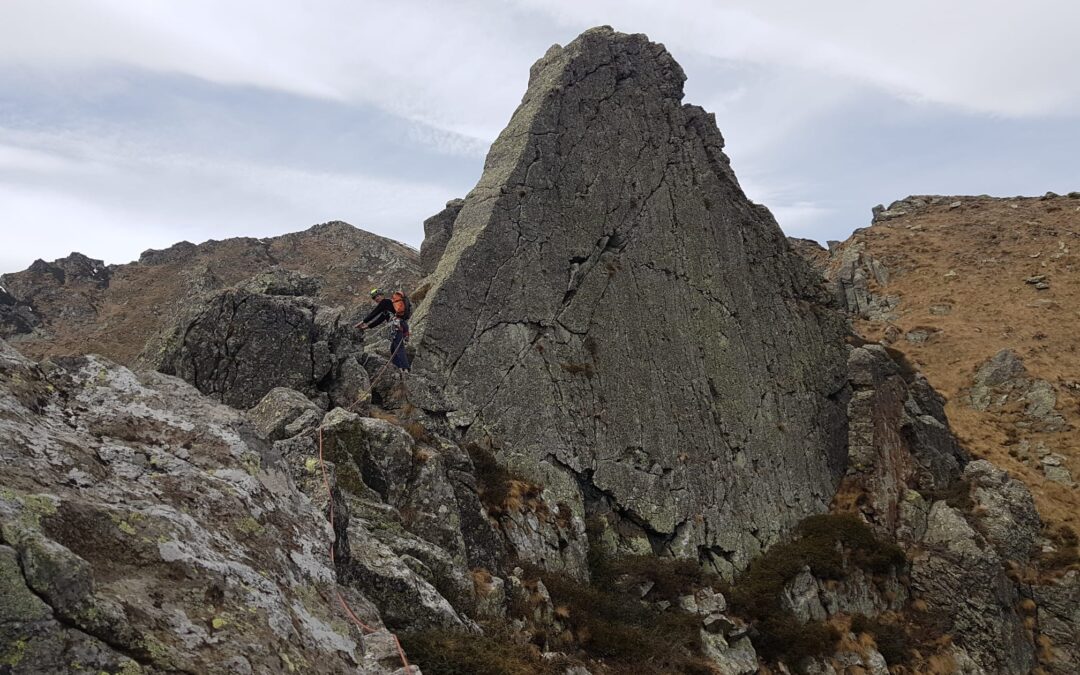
x=364, y=628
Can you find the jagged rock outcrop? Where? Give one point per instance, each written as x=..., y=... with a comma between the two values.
x=609, y=229
x=437, y=231
x=960, y=576
x=15, y=317
x=84, y=306
x=857, y=279
x=147, y=529
x=899, y=441
x=1003, y=380
x=243, y=343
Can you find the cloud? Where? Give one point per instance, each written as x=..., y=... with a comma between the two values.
x=112, y=199
x=134, y=124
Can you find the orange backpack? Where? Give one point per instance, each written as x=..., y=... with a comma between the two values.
x=402, y=305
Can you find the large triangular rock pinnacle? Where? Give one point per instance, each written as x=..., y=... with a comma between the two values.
x=627, y=326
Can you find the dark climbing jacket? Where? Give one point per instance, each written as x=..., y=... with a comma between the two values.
x=384, y=311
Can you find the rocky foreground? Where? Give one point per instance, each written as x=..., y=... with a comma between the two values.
x=639, y=438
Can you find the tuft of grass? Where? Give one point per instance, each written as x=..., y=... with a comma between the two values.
x=500, y=489
x=418, y=432
x=891, y=638
x=448, y=652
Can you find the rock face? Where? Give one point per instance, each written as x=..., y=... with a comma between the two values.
x=855, y=275
x=437, y=231
x=242, y=344
x=15, y=317
x=608, y=229
x=1003, y=380
x=899, y=440
x=146, y=529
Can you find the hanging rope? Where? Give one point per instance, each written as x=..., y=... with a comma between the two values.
x=364, y=628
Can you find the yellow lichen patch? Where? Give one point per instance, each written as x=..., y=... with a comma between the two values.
x=219, y=622
x=311, y=464
x=14, y=655
x=249, y=526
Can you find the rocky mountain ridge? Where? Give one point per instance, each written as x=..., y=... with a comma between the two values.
x=980, y=293
x=560, y=486
x=78, y=305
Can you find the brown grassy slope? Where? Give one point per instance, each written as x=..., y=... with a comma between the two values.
x=147, y=296
x=976, y=257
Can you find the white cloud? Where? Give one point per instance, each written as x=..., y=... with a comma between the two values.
x=110, y=199
x=462, y=66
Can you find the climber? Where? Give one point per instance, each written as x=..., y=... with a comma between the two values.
x=396, y=309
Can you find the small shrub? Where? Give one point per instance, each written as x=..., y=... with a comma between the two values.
x=891, y=639
x=445, y=652
x=631, y=636
x=670, y=577
x=820, y=543
x=783, y=637
x=418, y=432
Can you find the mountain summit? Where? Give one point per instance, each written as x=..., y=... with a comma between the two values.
x=614, y=308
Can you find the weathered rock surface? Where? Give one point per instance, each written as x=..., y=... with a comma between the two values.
x=857, y=279
x=899, y=439
x=15, y=317
x=609, y=229
x=144, y=528
x=85, y=306
x=960, y=575
x=242, y=344
x=1059, y=620
x=437, y=231
x=1003, y=380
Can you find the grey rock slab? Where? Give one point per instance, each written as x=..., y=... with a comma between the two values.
x=183, y=544
x=275, y=414
x=608, y=229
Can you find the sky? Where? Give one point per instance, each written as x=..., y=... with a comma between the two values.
x=134, y=124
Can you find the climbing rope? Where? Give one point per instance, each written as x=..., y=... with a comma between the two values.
x=364, y=628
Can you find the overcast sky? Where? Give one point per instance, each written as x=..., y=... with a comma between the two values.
x=133, y=124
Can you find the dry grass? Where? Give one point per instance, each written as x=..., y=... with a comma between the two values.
x=992, y=245
x=501, y=490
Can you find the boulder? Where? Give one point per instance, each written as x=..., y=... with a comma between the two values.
x=608, y=229
x=1005, y=510
x=1003, y=380
x=283, y=413
x=240, y=344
